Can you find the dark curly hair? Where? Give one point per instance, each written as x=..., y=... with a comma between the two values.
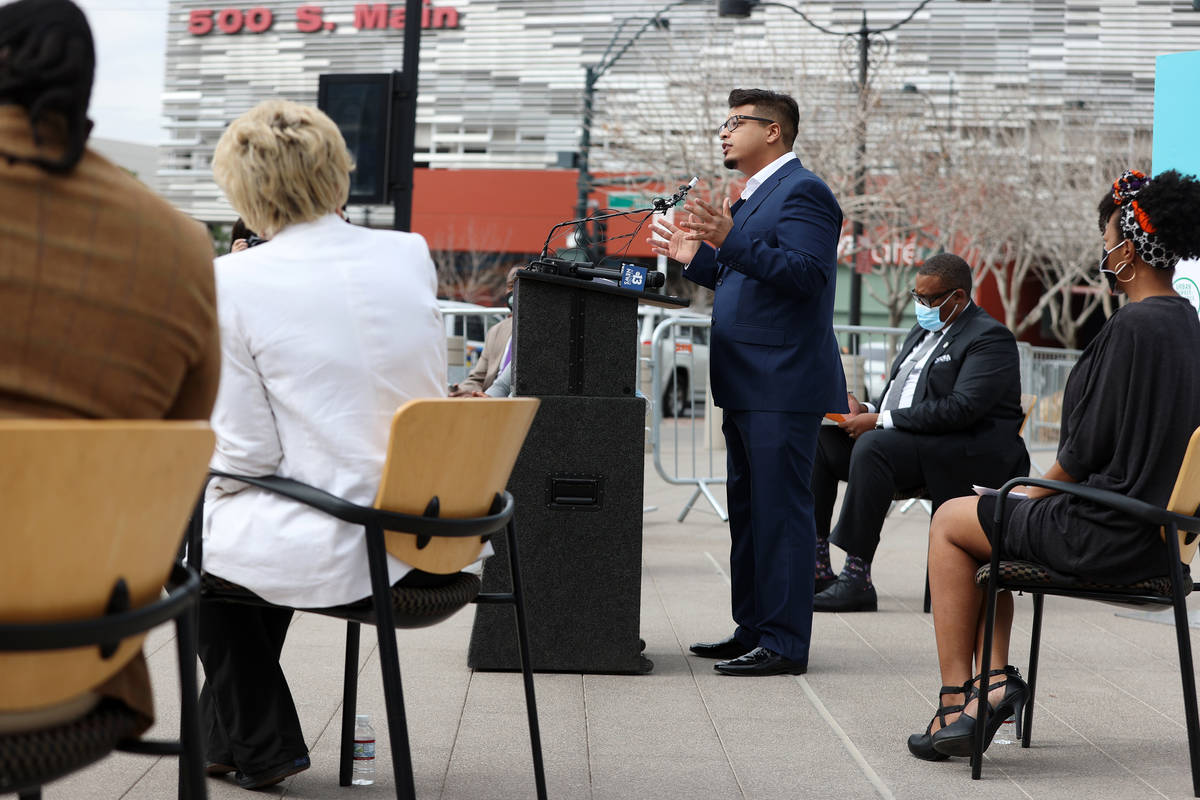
x=1171, y=201
x=47, y=62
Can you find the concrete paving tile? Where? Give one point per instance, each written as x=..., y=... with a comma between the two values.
x=625, y=777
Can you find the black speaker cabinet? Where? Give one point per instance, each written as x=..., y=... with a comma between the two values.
x=578, y=491
x=574, y=338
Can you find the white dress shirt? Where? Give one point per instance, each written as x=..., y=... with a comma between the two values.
x=759, y=178
x=325, y=331
x=909, y=389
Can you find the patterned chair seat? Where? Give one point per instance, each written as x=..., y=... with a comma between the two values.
x=414, y=607
x=29, y=759
x=1032, y=575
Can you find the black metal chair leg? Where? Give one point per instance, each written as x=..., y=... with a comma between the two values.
x=1187, y=671
x=32, y=794
x=928, y=597
x=1035, y=644
x=985, y=665
x=191, y=740
x=389, y=658
x=349, y=704
x=535, y=736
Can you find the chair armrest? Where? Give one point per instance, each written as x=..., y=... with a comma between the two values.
x=1133, y=507
x=183, y=585
x=367, y=516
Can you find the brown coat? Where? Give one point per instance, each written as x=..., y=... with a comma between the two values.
x=107, y=305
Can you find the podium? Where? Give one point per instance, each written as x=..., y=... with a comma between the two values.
x=577, y=483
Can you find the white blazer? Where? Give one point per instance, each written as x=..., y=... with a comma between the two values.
x=325, y=331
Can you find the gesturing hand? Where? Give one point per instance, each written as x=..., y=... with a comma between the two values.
x=707, y=223
x=668, y=239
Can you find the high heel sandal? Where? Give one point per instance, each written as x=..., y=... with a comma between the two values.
x=955, y=739
x=921, y=744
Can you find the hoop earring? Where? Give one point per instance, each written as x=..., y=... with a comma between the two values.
x=1118, y=270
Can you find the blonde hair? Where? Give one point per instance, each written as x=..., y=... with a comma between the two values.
x=282, y=163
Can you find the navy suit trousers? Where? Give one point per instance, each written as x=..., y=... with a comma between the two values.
x=771, y=525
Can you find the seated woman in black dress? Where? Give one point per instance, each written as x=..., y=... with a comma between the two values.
x=1128, y=410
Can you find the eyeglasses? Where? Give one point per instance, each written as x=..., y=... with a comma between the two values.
x=930, y=302
x=732, y=123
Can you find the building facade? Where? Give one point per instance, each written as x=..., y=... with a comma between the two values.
x=501, y=86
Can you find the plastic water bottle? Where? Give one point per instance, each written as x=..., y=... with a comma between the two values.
x=1006, y=734
x=364, y=751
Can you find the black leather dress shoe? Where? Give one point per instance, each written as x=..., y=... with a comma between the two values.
x=272, y=776
x=761, y=661
x=724, y=649
x=847, y=595
x=821, y=584
x=216, y=769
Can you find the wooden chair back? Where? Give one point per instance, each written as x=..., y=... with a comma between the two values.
x=459, y=450
x=1185, y=497
x=85, y=504
x=1028, y=401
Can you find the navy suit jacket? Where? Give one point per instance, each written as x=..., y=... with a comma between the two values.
x=772, y=346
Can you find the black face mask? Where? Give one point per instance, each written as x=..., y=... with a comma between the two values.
x=1108, y=274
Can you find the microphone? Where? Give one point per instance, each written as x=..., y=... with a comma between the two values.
x=663, y=203
x=630, y=276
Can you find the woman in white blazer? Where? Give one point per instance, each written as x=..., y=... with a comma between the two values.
x=326, y=329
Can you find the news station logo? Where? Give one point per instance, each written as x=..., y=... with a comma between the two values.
x=633, y=277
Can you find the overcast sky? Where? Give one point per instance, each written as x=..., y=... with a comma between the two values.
x=131, y=40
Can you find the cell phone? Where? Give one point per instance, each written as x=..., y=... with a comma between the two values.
x=254, y=241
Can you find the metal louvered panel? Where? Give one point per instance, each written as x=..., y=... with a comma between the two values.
x=504, y=89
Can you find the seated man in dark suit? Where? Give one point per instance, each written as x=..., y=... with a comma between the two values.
x=949, y=417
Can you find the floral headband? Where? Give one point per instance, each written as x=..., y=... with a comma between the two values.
x=1135, y=222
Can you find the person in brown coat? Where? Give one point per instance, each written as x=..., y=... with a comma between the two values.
x=107, y=302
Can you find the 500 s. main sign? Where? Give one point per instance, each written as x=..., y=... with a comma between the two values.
x=311, y=19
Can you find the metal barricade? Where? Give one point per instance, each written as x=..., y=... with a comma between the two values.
x=466, y=329
x=685, y=430
x=684, y=447
x=1044, y=372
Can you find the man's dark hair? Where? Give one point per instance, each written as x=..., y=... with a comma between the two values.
x=773, y=105
x=47, y=62
x=953, y=272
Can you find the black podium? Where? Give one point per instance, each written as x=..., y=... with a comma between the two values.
x=577, y=483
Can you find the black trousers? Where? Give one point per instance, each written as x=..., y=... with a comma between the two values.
x=874, y=467
x=246, y=708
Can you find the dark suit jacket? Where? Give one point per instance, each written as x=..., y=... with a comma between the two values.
x=968, y=401
x=772, y=346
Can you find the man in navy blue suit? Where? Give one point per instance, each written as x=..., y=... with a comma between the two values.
x=771, y=260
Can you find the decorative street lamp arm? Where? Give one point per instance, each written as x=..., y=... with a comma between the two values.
x=832, y=32
x=606, y=62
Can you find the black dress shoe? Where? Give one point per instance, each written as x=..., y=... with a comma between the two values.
x=270, y=777
x=724, y=649
x=761, y=661
x=847, y=595
x=216, y=769
x=821, y=584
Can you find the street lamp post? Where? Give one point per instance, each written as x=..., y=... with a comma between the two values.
x=911, y=88
x=592, y=74
x=864, y=37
